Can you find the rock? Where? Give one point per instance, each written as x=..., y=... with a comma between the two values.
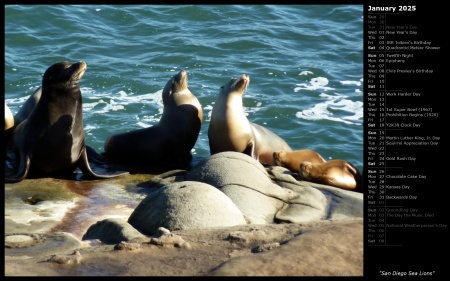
x=250, y=186
x=40, y=244
x=296, y=227
x=75, y=258
x=322, y=248
x=333, y=203
x=342, y=204
x=247, y=237
x=38, y=205
x=113, y=231
x=169, y=239
x=272, y=194
x=65, y=205
x=185, y=205
x=265, y=247
x=216, y=170
x=125, y=246
x=330, y=250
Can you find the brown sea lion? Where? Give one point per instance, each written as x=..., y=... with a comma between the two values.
x=291, y=160
x=230, y=130
x=28, y=106
x=337, y=173
x=50, y=140
x=23, y=113
x=169, y=142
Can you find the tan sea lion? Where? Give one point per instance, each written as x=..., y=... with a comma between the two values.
x=230, y=130
x=9, y=118
x=9, y=125
x=291, y=160
x=50, y=140
x=338, y=173
x=169, y=142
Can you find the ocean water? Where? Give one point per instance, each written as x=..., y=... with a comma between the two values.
x=305, y=64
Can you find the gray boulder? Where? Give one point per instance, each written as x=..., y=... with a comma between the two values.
x=113, y=231
x=40, y=244
x=250, y=194
x=185, y=205
x=262, y=201
x=340, y=203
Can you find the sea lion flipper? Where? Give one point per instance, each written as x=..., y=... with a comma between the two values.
x=94, y=157
x=22, y=172
x=250, y=150
x=87, y=170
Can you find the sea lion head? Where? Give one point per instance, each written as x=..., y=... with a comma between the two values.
x=305, y=170
x=278, y=156
x=338, y=173
x=236, y=85
x=177, y=84
x=63, y=74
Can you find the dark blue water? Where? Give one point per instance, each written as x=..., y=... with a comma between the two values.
x=305, y=63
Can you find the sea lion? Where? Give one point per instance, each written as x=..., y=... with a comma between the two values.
x=337, y=173
x=51, y=139
x=9, y=119
x=9, y=126
x=169, y=142
x=28, y=106
x=291, y=159
x=230, y=130
x=23, y=113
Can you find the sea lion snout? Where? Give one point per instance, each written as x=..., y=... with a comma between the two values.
x=305, y=170
x=241, y=83
x=181, y=79
x=277, y=155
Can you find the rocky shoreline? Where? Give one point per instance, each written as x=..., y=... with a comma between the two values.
x=327, y=248
x=182, y=225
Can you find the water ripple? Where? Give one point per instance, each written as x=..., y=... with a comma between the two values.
x=305, y=64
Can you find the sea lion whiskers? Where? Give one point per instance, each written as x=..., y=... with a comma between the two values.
x=245, y=79
x=77, y=79
x=246, y=87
